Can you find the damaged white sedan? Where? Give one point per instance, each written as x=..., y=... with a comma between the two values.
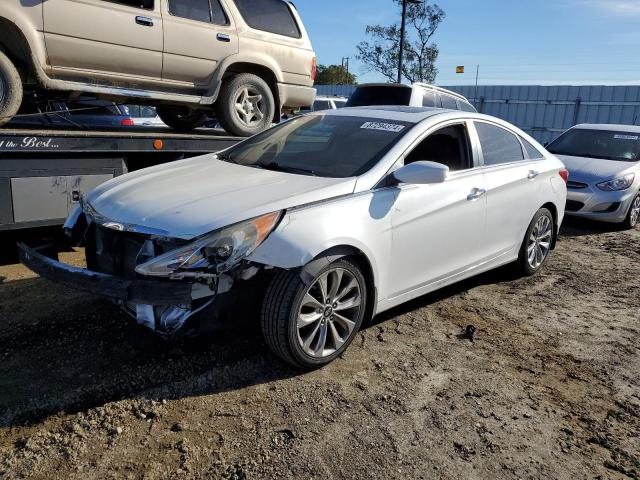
x=327, y=220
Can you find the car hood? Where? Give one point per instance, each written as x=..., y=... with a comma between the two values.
x=193, y=197
x=594, y=170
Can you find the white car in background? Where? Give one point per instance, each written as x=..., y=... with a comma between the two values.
x=341, y=215
x=325, y=103
x=604, y=172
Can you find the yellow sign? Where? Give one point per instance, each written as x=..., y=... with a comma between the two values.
x=460, y=69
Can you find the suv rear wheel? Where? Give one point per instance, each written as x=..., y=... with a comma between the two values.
x=246, y=105
x=10, y=90
x=182, y=119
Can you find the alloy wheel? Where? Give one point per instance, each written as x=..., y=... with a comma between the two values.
x=634, y=214
x=249, y=106
x=540, y=242
x=328, y=312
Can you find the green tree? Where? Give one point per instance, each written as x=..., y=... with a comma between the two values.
x=334, y=75
x=382, y=52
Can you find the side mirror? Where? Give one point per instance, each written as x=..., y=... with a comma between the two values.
x=422, y=173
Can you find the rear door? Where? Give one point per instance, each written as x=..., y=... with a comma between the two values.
x=198, y=35
x=514, y=186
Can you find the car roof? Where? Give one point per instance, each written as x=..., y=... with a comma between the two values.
x=609, y=126
x=403, y=113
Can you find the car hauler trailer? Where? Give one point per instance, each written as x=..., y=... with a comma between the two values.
x=43, y=174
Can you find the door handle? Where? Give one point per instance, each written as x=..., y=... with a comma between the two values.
x=223, y=37
x=476, y=193
x=533, y=174
x=144, y=21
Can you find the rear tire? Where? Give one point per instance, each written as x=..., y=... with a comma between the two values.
x=633, y=216
x=10, y=90
x=307, y=328
x=537, y=243
x=246, y=105
x=182, y=119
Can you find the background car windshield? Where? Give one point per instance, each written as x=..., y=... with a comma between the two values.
x=322, y=145
x=606, y=144
x=382, y=95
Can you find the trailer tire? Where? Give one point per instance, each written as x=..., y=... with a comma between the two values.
x=10, y=90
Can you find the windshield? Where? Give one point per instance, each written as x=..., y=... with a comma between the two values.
x=382, y=95
x=605, y=144
x=321, y=145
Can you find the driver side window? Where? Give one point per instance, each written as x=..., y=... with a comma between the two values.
x=449, y=146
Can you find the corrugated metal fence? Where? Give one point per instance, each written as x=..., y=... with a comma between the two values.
x=545, y=111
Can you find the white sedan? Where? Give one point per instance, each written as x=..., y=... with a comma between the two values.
x=341, y=215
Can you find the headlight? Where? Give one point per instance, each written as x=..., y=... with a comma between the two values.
x=621, y=183
x=217, y=252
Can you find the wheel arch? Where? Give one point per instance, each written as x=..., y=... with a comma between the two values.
x=311, y=269
x=556, y=228
x=14, y=45
x=265, y=73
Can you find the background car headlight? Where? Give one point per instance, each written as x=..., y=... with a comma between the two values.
x=216, y=252
x=621, y=183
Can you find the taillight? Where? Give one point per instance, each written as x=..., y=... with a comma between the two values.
x=564, y=173
x=127, y=122
x=314, y=68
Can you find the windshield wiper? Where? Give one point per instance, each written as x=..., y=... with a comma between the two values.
x=288, y=169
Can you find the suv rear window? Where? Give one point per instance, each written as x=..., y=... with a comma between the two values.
x=273, y=16
x=382, y=95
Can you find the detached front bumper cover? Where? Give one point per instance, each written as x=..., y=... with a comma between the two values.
x=146, y=292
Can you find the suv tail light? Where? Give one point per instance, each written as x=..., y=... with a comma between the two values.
x=564, y=173
x=314, y=68
x=127, y=122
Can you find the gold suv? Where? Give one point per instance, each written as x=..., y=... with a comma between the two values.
x=243, y=61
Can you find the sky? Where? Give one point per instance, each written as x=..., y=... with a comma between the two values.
x=533, y=42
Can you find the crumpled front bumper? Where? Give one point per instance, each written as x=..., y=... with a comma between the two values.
x=119, y=290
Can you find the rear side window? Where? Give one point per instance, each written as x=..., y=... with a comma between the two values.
x=146, y=4
x=199, y=10
x=498, y=145
x=272, y=16
x=382, y=95
x=532, y=152
x=449, y=102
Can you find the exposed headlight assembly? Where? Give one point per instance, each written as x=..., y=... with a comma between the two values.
x=217, y=252
x=617, y=184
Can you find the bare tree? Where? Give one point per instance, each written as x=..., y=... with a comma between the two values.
x=381, y=53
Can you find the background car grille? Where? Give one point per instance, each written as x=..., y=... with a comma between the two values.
x=573, y=206
x=576, y=185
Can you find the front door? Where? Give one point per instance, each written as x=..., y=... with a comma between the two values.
x=198, y=35
x=438, y=229
x=118, y=42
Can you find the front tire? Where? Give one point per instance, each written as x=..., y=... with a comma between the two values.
x=181, y=119
x=537, y=243
x=633, y=216
x=246, y=105
x=310, y=325
x=10, y=90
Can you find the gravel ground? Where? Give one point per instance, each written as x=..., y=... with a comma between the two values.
x=550, y=388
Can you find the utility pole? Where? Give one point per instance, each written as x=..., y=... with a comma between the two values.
x=476, y=94
x=345, y=68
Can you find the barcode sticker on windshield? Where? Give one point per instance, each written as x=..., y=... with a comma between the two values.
x=626, y=137
x=386, y=127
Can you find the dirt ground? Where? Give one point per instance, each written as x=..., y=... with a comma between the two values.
x=549, y=389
